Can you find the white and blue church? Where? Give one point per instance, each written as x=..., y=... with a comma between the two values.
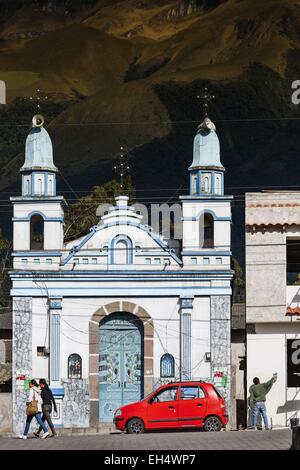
x=111, y=315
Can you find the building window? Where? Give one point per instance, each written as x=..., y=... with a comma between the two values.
x=36, y=261
x=218, y=260
x=208, y=231
x=121, y=250
x=94, y=260
x=85, y=261
x=147, y=260
x=36, y=232
x=24, y=261
x=40, y=350
x=194, y=184
x=50, y=186
x=167, y=366
x=157, y=261
x=206, y=183
x=74, y=366
x=293, y=261
x=193, y=260
x=27, y=186
x=48, y=261
x=76, y=260
x=218, y=184
x=206, y=261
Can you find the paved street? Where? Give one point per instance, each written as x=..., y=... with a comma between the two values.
x=234, y=440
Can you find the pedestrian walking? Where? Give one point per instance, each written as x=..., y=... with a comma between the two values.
x=34, y=409
x=48, y=399
x=258, y=392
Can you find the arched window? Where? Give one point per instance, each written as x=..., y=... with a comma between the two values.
x=194, y=184
x=50, y=186
x=74, y=366
x=121, y=250
x=206, y=184
x=36, y=232
x=218, y=184
x=39, y=186
x=167, y=366
x=208, y=231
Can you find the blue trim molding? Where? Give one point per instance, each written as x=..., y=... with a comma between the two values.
x=30, y=254
x=208, y=211
x=121, y=291
x=206, y=253
x=55, y=303
x=186, y=302
x=37, y=212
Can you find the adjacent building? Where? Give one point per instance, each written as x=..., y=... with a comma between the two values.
x=273, y=298
x=107, y=317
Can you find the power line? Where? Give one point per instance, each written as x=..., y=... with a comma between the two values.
x=160, y=122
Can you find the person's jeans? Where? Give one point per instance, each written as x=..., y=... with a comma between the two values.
x=47, y=409
x=38, y=417
x=260, y=407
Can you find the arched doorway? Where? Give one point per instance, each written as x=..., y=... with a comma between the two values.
x=121, y=344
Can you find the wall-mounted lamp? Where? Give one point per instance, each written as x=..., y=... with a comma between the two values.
x=208, y=357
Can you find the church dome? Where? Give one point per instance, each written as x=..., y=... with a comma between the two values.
x=206, y=147
x=38, y=151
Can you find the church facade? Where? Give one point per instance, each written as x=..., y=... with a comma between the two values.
x=108, y=317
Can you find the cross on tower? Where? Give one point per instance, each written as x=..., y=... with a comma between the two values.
x=37, y=98
x=121, y=167
x=206, y=97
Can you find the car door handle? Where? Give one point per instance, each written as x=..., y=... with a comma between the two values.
x=199, y=404
x=171, y=407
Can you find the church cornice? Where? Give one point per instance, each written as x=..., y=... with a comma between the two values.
x=147, y=229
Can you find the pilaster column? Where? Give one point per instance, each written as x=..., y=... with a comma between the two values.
x=220, y=314
x=186, y=309
x=55, y=306
x=22, y=357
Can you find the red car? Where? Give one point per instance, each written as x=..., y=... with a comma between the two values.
x=176, y=405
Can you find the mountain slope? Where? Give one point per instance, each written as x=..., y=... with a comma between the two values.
x=130, y=72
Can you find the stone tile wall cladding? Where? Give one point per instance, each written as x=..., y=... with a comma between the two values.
x=22, y=357
x=220, y=342
x=75, y=407
x=5, y=412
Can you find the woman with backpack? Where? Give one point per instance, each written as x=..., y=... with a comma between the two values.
x=34, y=409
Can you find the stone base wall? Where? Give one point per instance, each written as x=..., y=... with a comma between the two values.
x=5, y=412
x=22, y=358
x=220, y=345
x=76, y=409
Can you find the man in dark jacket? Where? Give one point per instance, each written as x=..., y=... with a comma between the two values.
x=48, y=399
x=258, y=394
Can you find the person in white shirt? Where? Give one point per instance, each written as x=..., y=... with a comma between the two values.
x=35, y=394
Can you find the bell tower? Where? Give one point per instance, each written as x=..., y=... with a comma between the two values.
x=206, y=210
x=38, y=213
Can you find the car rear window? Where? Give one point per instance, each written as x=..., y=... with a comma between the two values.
x=217, y=392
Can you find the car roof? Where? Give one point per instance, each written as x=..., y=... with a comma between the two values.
x=187, y=382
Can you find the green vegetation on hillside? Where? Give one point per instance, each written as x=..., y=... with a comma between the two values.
x=81, y=215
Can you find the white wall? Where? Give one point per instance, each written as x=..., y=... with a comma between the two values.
x=77, y=312
x=266, y=354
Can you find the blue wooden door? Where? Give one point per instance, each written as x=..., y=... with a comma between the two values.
x=120, y=363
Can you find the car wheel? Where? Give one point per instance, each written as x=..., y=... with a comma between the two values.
x=135, y=426
x=212, y=424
